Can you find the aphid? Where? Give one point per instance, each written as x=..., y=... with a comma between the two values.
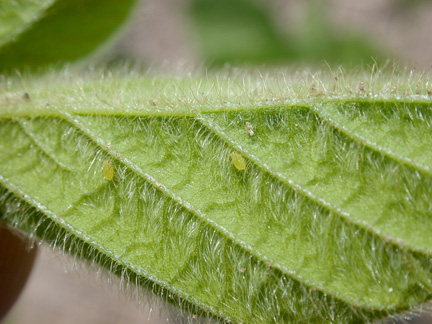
x=108, y=170
x=360, y=86
x=238, y=161
x=152, y=102
x=26, y=96
x=249, y=129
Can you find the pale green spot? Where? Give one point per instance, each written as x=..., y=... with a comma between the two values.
x=108, y=170
x=238, y=161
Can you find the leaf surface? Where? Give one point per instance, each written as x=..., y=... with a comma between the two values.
x=329, y=220
x=68, y=30
x=16, y=16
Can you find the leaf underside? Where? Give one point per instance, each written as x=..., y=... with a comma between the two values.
x=329, y=222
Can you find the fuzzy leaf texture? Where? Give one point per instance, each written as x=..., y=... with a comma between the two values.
x=251, y=199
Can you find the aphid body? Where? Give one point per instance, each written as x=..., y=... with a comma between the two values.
x=108, y=170
x=238, y=161
x=249, y=129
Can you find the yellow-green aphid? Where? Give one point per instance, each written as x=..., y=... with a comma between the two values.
x=108, y=170
x=238, y=161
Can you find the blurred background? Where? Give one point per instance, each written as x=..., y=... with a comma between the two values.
x=223, y=32
x=217, y=33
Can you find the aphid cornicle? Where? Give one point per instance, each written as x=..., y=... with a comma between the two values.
x=108, y=170
x=238, y=161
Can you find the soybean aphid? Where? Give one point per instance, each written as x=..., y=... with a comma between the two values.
x=238, y=161
x=360, y=87
x=249, y=129
x=108, y=170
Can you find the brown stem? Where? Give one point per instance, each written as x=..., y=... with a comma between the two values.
x=16, y=261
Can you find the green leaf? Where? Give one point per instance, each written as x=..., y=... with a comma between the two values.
x=329, y=220
x=16, y=16
x=67, y=31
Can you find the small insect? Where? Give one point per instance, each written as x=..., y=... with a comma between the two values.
x=108, y=170
x=26, y=96
x=152, y=102
x=360, y=86
x=249, y=129
x=238, y=161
